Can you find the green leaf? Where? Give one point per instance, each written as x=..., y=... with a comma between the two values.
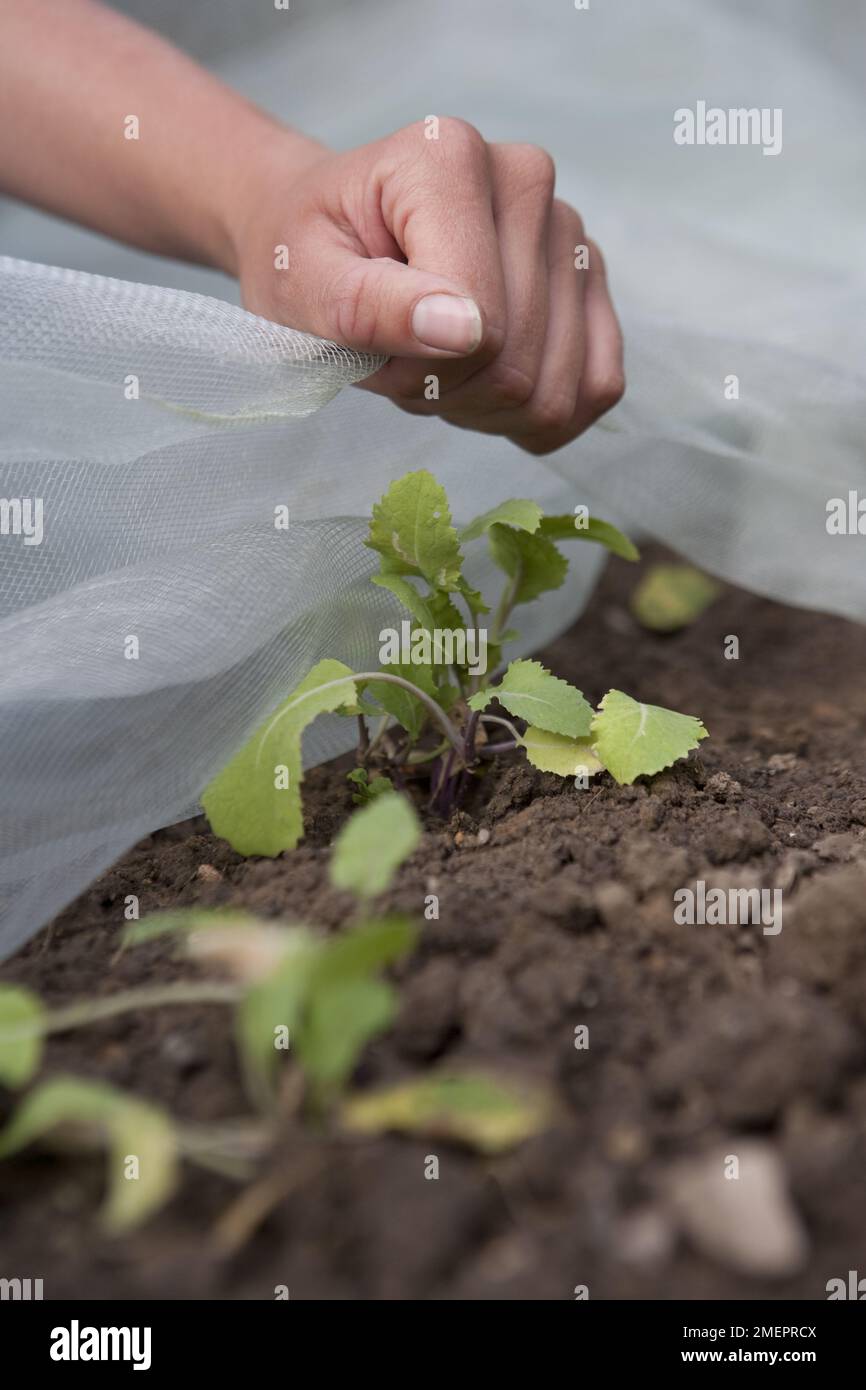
x=273, y=1003
x=567, y=757
x=368, y=788
x=185, y=919
x=247, y=803
x=21, y=1020
x=373, y=844
x=363, y=950
x=530, y=692
x=579, y=528
x=411, y=529
x=444, y=613
x=345, y=1006
x=341, y=1020
x=517, y=512
x=474, y=600
x=670, y=597
x=132, y=1128
x=634, y=739
x=318, y=993
x=532, y=562
x=410, y=598
x=405, y=707
x=484, y=1112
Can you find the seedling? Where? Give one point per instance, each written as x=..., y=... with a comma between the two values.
x=293, y=991
x=432, y=696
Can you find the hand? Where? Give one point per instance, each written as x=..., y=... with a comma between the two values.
x=452, y=256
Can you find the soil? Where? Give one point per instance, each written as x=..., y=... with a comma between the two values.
x=705, y=1041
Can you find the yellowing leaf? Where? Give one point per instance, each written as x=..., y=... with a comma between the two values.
x=483, y=1112
x=143, y=1154
x=670, y=597
x=373, y=844
x=633, y=740
x=21, y=1019
x=567, y=757
x=255, y=802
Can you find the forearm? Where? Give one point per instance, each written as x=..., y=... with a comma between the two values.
x=71, y=74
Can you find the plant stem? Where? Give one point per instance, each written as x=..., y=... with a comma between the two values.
x=434, y=710
x=469, y=737
x=506, y=724
x=146, y=997
x=421, y=756
x=492, y=750
x=506, y=603
x=363, y=738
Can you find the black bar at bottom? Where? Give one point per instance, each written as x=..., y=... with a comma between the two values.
x=254, y=1339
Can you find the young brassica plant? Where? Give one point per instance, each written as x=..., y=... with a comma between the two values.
x=295, y=994
x=437, y=681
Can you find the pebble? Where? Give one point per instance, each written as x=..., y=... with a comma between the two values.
x=747, y=1224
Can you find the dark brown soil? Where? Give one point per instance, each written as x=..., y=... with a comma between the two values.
x=703, y=1040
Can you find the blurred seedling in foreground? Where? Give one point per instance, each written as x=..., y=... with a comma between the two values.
x=297, y=996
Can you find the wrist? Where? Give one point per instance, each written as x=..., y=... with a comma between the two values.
x=265, y=156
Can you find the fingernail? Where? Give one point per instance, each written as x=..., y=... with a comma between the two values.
x=447, y=322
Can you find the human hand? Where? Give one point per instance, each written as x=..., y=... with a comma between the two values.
x=451, y=255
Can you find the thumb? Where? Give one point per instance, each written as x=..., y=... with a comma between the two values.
x=387, y=307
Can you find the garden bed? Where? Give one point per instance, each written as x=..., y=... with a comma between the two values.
x=705, y=1041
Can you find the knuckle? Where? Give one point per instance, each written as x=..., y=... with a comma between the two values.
x=461, y=137
x=535, y=169
x=607, y=391
x=568, y=217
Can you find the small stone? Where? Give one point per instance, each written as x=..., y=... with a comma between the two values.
x=208, y=873
x=483, y=836
x=614, y=903
x=747, y=1223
